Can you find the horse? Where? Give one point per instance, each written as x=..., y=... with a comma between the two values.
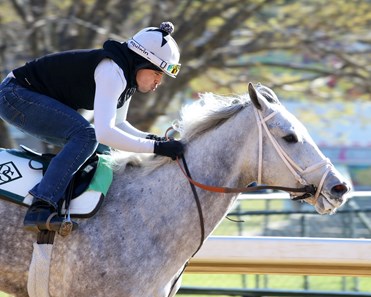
x=149, y=226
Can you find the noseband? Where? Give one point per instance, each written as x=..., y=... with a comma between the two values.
x=294, y=168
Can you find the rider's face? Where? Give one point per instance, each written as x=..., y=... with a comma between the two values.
x=148, y=80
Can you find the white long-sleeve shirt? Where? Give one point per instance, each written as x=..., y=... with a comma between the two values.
x=111, y=126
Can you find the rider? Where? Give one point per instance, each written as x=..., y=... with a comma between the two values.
x=42, y=98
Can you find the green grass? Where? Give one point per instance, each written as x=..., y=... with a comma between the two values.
x=251, y=224
x=279, y=282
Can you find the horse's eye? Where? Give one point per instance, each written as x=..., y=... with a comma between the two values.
x=291, y=138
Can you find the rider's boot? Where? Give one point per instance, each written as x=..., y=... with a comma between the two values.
x=43, y=216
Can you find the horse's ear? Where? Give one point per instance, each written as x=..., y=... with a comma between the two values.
x=254, y=96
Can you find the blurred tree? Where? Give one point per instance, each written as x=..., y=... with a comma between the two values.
x=312, y=48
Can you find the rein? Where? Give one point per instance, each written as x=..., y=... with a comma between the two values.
x=309, y=190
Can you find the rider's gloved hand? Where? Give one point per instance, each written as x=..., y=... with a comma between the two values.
x=170, y=148
x=158, y=138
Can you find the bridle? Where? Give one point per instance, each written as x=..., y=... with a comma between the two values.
x=310, y=191
x=294, y=168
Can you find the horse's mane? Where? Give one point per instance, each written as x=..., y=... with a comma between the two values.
x=208, y=112
x=211, y=110
x=195, y=119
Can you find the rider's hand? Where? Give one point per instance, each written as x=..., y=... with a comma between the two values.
x=171, y=148
x=158, y=138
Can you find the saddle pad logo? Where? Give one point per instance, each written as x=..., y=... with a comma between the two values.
x=8, y=173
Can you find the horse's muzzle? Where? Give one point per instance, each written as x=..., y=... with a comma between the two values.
x=338, y=191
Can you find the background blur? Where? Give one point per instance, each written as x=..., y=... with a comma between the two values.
x=315, y=54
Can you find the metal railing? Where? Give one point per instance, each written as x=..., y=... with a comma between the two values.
x=351, y=221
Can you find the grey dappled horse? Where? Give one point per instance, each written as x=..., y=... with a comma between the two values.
x=149, y=226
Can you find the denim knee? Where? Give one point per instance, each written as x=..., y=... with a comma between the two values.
x=88, y=137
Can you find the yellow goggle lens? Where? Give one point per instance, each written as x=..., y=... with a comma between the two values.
x=173, y=69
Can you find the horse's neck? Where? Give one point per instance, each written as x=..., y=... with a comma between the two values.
x=226, y=154
x=222, y=157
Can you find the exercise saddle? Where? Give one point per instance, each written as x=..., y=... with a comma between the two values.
x=21, y=169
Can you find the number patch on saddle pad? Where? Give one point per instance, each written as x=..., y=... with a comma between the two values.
x=8, y=172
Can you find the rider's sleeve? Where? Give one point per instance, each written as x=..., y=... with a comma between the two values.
x=124, y=125
x=109, y=86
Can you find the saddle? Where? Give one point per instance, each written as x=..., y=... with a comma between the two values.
x=21, y=170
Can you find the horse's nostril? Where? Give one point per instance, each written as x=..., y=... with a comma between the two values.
x=340, y=189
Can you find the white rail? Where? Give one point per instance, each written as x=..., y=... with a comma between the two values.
x=283, y=255
x=284, y=195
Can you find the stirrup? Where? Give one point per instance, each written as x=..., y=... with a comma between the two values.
x=63, y=228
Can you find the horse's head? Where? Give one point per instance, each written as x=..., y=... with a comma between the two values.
x=286, y=144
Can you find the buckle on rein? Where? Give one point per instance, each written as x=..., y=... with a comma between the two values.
x=310, y=191
x=66, y=226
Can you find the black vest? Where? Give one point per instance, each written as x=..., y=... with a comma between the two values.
x=69, y=76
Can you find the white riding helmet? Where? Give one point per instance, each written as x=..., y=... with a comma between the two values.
x=157, y=46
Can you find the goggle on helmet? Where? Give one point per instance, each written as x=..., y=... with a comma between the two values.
x=157, y=46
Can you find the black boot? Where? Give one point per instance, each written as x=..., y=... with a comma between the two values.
x=43, y=216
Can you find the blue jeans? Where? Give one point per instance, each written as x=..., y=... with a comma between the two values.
x=52, y=122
